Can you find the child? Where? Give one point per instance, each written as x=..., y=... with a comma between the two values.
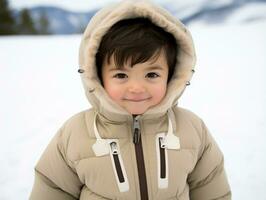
x=134, y=143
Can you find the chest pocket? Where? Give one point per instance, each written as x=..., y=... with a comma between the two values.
x=104, y=147
x=105, y=175
x=164, y=142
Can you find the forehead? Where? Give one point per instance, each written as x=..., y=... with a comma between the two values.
x=158, y=60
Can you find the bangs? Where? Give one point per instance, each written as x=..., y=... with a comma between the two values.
x=122, y=56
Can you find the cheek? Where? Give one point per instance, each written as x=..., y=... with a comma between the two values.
x=114, y=92
x=159, y=92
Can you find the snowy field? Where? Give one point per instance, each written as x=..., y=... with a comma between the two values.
x=40, y=88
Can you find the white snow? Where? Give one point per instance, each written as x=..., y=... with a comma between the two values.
x=40, y=89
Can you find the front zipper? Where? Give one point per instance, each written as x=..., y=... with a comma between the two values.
x=140, y=160
x=136, y=129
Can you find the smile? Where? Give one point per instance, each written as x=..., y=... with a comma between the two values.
x=137, y=100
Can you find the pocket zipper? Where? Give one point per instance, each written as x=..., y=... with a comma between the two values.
x=114, y=151
x=162, y=158
x=118, y=166
x=162, y=161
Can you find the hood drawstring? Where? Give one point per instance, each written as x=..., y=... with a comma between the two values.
x=101, y=146
x=171, y=141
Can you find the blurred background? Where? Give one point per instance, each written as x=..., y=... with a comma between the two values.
x=40, y=87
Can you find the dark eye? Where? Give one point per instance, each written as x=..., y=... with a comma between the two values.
x=152, y=75
x=120, y=76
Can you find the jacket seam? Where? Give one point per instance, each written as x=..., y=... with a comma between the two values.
x=228, y=194
x=54, y=186
x=63, y=152
x=210, y=176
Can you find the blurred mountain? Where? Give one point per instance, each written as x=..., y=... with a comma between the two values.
x=62, y=21
x=218, y=11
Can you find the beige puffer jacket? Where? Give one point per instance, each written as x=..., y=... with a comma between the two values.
x=105, y=153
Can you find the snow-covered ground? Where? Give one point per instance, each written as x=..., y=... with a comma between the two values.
x=40, y=88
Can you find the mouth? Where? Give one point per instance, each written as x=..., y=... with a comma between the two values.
x=138, y=100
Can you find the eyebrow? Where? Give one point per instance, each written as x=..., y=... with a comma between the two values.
x=153, y=67
x=117, y=69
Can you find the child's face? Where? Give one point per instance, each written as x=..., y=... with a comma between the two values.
x=138, y=88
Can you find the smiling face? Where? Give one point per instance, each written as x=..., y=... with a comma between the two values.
x=139, y=87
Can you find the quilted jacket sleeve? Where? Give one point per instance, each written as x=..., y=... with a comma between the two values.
x=55, y=179
x=208, y=180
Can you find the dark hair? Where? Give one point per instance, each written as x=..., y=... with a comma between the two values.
x=136, y=40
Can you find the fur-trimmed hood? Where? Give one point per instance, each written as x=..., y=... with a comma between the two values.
x=99, y=25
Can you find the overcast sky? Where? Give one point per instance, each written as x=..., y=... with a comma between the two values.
x=75, y=5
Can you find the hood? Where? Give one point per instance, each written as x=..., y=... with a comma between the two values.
x=99, y=25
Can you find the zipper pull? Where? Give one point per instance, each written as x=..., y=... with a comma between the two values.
x=136, y=127
x=114, y=148
x=162, y=142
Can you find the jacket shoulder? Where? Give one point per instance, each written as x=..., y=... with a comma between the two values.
x=77, y=135
x=78, y=119
x=188, y=117
x=186, y=113
x=57, y=167
x=189, y=127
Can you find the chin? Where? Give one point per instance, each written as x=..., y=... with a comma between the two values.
x=136, y=112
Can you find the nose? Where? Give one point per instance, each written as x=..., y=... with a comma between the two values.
x=136, y=87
